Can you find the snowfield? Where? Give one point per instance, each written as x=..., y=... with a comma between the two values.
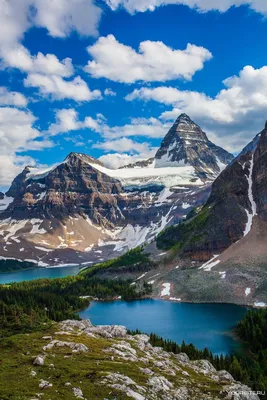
x=166, y=176
x=166, y=291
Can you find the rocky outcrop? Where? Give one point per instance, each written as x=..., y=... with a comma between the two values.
x=119, y=365
x=140, y=164
x=1, y=196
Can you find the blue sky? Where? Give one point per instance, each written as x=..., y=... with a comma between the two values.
x=108, y=79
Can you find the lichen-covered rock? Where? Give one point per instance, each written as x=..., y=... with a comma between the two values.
x=78, y=393
x=39, y=360
x=182, y=357
x=69, y=324
x=75, y=347
x=108, y=331
x=224, y=376
x=45, y=384
x=204, y=366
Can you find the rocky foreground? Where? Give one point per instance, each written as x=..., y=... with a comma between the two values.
x=76, y=360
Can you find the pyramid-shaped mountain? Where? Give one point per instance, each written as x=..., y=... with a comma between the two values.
x=187, y=144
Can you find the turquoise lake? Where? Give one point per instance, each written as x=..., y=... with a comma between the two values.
x=37, y=273
x=204, y=325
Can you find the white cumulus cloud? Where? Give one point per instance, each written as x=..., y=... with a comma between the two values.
x=9, y=98
x=59, y=18
x=154, y=61
x=133, y=6
x=117, y=160
x=17, y=134
x=123, y=145
x=59, y=88
x=19, y=57
x=236, y=113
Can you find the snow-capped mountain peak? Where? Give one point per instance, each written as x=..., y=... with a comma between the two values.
x=186, y=144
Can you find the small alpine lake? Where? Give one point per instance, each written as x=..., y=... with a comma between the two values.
x=204, y=325
x=38, y=273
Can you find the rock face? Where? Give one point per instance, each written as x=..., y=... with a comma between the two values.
x=116, y=365
x=140, y=164
x=72, y=187
x=1, y=196
x=187, y=144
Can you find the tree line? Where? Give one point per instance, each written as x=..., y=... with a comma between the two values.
x=27, y=305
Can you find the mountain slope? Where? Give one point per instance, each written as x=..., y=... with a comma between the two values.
x=224, y=242
x=220, y=222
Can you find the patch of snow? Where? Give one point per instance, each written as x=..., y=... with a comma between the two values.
x=175, y=299
x=220, y=164
x=210, y=264
x=42, y=264
x=12, y=227
x=89, y=248
x=251, y=199
x=41, y=195
x=167, y=176
x=150, y=282
x=153, y=276
x=166, y=291
x=43, y=249
x=185, y=206
x=164, y=195
x=259, y=304
x=36, y=223
x=39, y=173
x=223, y=274
x=140, y=277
